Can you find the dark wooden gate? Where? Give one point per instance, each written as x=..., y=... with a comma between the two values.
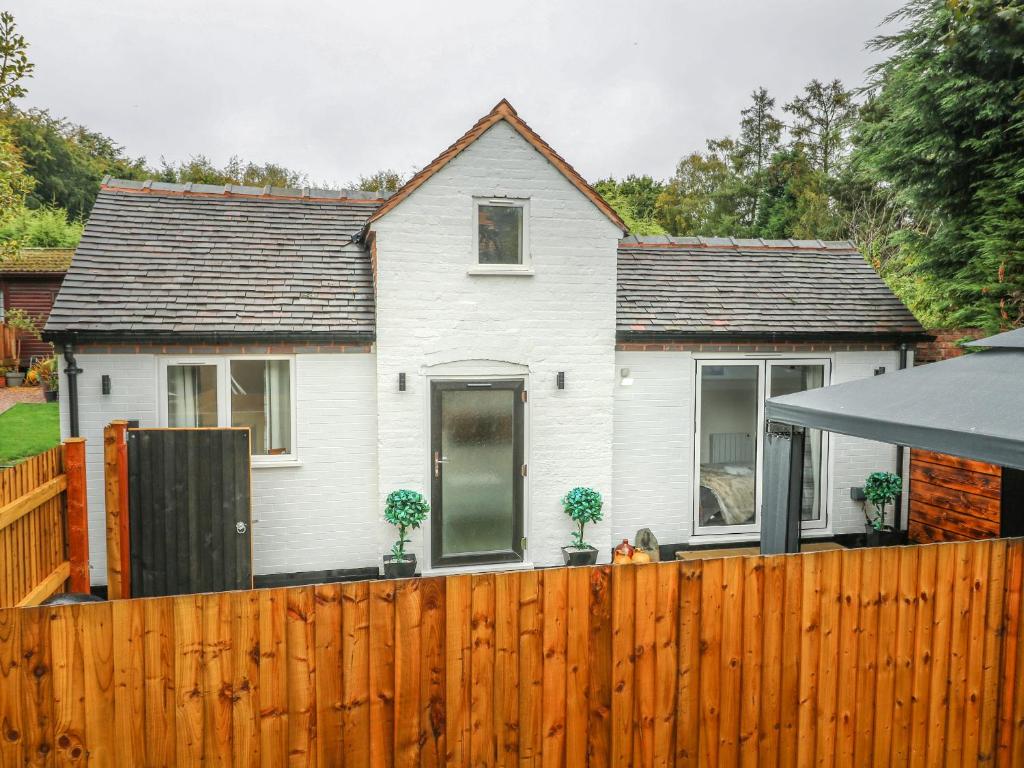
x=189, y=508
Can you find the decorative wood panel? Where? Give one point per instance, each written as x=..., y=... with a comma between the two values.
x=953, y=499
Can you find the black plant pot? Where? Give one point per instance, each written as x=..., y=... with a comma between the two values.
x=50, y=395
x=399, y=569
x=574, y=556
x=886, y=537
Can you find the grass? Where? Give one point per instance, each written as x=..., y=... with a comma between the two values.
x=28, y=429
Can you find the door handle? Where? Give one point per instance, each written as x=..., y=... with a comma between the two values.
x=438, y=461
x=241, y=527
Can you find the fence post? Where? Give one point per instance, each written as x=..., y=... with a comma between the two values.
x=77, y=514
x=115, y=474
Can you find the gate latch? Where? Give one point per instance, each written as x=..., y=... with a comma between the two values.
x=241, y=527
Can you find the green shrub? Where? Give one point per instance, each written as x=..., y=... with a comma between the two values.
x=42, y=228
x=881, y=488
x=582, y=505
x=406, y=510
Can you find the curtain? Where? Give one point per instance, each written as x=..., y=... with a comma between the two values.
x=277, y=407
x=182, y=396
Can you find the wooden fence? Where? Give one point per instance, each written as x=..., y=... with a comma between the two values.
x=8, y=342
x=43, y=527
x=897, y=656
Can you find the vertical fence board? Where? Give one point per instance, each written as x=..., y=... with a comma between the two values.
x=327, y=636
x=245, y=669
x=188, y=680
x=906, y=624
x=531, y=667
x=408, y=657
x=273, y=680
x=355, y=680
x=666, y=654
x=69, y=722
x=554, y=644
x=481, y=690
x=772, y=653
x=885, y=680
x=129, y=681
x=12, y=729
x=959, y=652
x=506, y=668
x=644, y=670
x=792, y=634
x=302, y=677
x=217, y=676
x=458, y=670
x=995, y=626
x=623, y=611
x=159, y=685
x=599, y=649
x=923, y=657
x=37, y=688
x=382, y=673
x=751, y=668
x=711, y=661
x=1011, y=659
x=577, y=689
x=432, y=643
x=942, y=627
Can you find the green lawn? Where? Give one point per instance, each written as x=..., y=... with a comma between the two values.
x=28, y=429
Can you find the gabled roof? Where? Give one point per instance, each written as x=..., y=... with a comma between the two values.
x=173, y=261
x=502, y=111
x=37, y=260
x=692, y=287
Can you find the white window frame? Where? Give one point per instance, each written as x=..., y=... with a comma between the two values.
x=223, y=365
x=751, y=531
x=523, y=268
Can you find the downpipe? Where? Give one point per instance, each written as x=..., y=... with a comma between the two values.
x=72, y=372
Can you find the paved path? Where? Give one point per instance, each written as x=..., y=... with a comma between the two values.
x=10, y=396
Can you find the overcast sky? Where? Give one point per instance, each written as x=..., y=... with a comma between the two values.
x=339, y=88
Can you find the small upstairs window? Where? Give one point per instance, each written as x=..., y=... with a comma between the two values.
x=501, y=233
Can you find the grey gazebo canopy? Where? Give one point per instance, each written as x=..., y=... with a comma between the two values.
x=971, y=406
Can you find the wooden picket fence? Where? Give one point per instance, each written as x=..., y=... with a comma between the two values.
x=43, y=527
x=909, y=656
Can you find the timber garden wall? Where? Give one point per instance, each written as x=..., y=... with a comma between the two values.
x=896, y=656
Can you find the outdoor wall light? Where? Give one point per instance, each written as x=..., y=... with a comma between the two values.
x=624, y=378
x=560, y=380
x=401, y=382
x=105, y=384
x=879, y=370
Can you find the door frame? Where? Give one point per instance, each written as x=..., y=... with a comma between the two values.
x=752, y=531
x=517, y=554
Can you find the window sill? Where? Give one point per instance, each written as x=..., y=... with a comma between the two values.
x=509, y=271
x=290, y=461
x=448, y=570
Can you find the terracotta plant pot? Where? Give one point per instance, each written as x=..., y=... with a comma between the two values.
x=399, y=569
x=575, y=556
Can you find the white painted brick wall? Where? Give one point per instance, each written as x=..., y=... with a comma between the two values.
x=132, y=396
x=319, y=515
x=429, y=312
x=654, y=446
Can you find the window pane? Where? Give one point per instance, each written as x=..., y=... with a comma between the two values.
x=728, y=444
x=500, y=234
x=788, y=380
x=261, y=400
x=477, y=442
x=191, y=396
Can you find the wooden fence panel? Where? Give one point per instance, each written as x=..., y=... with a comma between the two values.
x=911, y=656
x=43, y=533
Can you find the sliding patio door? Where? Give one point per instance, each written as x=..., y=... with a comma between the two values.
x=728, y=442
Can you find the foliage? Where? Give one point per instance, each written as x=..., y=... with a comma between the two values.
x=199, y=169
x=387, y=180
x=24, y=325
x=43, y=372
x=880, y=489
x=67, y=161
x=822, y=117
x=582, y=505
x=635, y=199
x=405, y=510
x=945, y=128
x=27, y=429
x=15, y=183
x=14, y=63
x=42, y=228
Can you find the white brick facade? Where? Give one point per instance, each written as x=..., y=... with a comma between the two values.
x=432, y=315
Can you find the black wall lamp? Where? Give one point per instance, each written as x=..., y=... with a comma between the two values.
x=560, y=380
x=105, y=384
x=401, y=382
x=879, y=370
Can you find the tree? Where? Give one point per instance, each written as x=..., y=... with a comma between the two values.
x=821, y=122
x=760, y=137
x=944, y=129
x=199, y=169
x=387, y=180
x=15, y=184
x=635, y=199
x=14, y=63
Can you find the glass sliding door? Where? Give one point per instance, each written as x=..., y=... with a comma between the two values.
x=476, y=470
x=728, y=440
x=786, y=378
x=728, y=445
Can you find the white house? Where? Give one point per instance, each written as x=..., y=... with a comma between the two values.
x=489, y=335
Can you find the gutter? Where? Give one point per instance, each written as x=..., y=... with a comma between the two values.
x=212, y=337
x=732, y=337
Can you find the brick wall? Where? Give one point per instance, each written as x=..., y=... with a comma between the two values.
x=945, y=344
x=435, y=319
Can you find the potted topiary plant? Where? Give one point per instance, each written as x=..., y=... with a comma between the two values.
x=582, y=505
x=880, y=489
x=406, y=510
